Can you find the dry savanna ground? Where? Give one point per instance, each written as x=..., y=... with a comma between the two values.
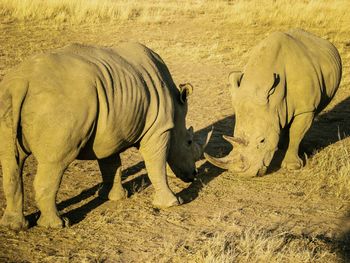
x=301, y=216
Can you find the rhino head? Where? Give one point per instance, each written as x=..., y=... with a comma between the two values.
x=184, y=151
x=259, y=107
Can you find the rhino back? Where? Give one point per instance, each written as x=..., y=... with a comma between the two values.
x=309, y=69
x=107, y=102
x=135, y=96
x=326, y=61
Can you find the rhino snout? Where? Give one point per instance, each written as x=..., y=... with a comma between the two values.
x=190, y=179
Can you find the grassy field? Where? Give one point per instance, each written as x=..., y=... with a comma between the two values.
x=301, y=216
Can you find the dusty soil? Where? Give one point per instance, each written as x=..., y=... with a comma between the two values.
x=203, y=52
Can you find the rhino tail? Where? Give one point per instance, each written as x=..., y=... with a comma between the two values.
x=12, y=95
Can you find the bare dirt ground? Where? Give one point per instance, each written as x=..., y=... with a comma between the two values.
x=299, y=205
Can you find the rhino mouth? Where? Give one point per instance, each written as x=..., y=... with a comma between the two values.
x=262, y=171
x=188, y=177
x=187, y=180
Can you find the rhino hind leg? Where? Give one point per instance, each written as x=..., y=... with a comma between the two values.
x=111, y=171
x=13, y=217
x=298, y=129
x=46, y=184
x=155, y=156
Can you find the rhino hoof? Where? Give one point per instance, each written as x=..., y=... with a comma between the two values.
x=14, y=222
x=291, y=166
x=166, y=201
x=52, y=222
x=118, y=195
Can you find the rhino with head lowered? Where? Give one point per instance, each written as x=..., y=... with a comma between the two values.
x=289, y=78
x=84, y=102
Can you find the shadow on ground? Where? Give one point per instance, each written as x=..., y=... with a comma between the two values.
x=75, y=215
x=329, y=127
x=224, y=126
x=326, y=130
x=217, y=147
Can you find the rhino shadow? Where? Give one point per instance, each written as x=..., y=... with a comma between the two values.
x=207, y=173
x=327, y=129
x=216, y=147
x=76, y=215
x=141, y=182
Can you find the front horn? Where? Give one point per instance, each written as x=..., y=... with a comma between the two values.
x=223, y=162
x=236, y=165
x=234, y=141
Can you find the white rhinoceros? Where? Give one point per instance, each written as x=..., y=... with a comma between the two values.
x=289, y=78
x=91, y=103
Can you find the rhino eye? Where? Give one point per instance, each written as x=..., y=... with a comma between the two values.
x=261, y=142
x=189, y=142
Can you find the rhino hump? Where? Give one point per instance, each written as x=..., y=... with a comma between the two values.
x=309, y=69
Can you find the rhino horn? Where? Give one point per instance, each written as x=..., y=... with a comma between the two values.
x=223, y=162
x=234, y=141
x=235, y=165
x=199, y=149
x=208, y=139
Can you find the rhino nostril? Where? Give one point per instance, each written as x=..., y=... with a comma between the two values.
x=195, y=172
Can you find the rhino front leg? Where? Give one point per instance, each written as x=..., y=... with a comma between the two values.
x=46, y=184
x=298, y=128
x=13, y=217
x=111, y=171
x=155, y=156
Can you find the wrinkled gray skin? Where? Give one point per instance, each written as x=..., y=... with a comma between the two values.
x=289, y=78
x=91, y=103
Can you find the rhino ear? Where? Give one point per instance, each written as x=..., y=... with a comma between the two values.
x=265, y=94
x=276, y=81
x=185, y=91
x=235, y=78
x=191, y=132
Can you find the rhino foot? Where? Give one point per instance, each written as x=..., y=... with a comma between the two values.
x=162, y=200
x=14, y=221
x=118, y=195
x=114, y=193
x=294, y=163
x=52, y=222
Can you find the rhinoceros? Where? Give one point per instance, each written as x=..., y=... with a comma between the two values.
x=288, y=79
x=85, y=102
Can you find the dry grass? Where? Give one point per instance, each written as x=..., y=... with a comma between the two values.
x=282, y=12
x=258, y=245
x=81, y=11
x=251, y=244
x=201, y=41
x=329, y=171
